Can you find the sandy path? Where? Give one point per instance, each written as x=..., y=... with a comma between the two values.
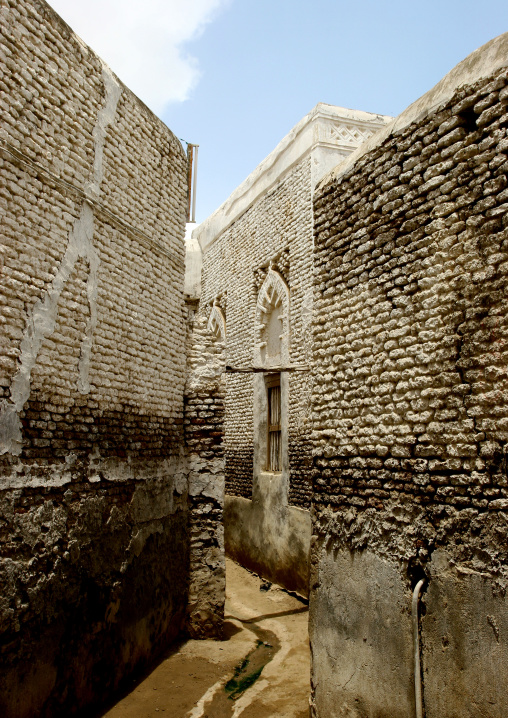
x=266, y=634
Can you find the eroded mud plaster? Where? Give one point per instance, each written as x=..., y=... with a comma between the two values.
x=203, y=418
x=94, y=504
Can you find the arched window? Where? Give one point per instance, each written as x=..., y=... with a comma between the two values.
x=271, y=344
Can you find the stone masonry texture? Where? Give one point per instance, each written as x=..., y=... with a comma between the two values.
x=119, y=430
x=277, y=228
x=94, y=506
x=203, y=423
x=410, y=414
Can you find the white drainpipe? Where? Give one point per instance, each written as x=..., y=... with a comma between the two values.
x=416, y=649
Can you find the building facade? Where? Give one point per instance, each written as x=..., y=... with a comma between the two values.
x=331, y=374
x=410, y=418
x=257, y=295
x=103, y=493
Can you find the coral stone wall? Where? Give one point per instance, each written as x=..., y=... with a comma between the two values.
x=257, y=272
x=410, y=411
x=277, y=228
x=94, y=555
x=266, y=529
x=203, y=422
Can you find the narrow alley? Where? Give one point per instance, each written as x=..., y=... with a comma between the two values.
x=261, y=670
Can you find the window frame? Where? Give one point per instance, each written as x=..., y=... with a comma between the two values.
x=273, y=381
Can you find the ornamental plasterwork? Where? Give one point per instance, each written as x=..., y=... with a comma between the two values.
x=221, y=301
x=280, y=264
x=217, y=323
x=271, y=343
x=344, y=133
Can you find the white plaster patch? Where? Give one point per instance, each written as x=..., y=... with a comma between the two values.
x=272, y=322
x=211, y=466
x=217, y=323
x=104, y=119
x=206, y=485
x=59, y=477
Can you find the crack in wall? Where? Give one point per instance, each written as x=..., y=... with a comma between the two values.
x=41, y=320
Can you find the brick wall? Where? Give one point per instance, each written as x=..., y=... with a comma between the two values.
x=277, y=227
x=93, y=536
x=411, y=363
x=409, y=409
x=204, y=431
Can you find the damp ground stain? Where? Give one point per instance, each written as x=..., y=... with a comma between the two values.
x=261, y=670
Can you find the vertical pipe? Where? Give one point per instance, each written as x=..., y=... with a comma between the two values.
x=194, y=184
x=416, y=649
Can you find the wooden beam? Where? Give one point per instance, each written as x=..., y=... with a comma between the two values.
x=265, y=370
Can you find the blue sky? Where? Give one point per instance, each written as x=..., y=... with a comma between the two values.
x=235, y=75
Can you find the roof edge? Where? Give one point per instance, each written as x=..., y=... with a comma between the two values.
x=481, y=63
x=299, y=141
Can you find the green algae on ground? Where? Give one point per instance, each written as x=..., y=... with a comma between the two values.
x=249, y=669
x=236, y=688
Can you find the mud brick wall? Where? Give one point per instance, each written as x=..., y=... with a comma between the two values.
x=204, y=431
x=410, y=412
x=239, y=448
x=299, y=443
x=94, y=555
x=277, y=228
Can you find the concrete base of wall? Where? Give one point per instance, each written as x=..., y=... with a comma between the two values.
x=464, y=643
x=97, y=589
x=361, y=639
x=269, y=537
x=360, y=634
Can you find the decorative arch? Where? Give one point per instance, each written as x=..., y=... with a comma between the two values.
x=271, y=347
x=217, y=323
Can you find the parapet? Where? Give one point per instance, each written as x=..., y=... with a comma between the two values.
x=478, y=65
x=327, y=133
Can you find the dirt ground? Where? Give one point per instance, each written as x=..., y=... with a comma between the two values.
x=261, y=670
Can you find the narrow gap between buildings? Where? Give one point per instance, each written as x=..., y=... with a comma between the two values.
x=260, y=670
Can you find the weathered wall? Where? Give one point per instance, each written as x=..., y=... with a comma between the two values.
x=276, y=228
x=257, y=269
x=204, y=422
x=268, y=535
x=93, y=492
x=410, y=411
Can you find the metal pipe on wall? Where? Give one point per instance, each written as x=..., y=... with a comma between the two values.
x=192, y=179
x=416, y=649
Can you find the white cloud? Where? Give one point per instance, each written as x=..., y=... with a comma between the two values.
x=142, y=41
